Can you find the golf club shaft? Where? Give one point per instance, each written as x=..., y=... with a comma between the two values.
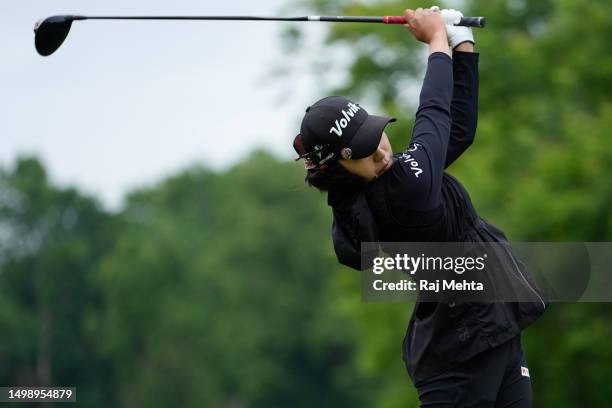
x=465, y=21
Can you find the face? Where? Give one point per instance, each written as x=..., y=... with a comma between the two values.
x=375, y=164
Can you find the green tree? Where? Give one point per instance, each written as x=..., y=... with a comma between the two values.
x=215, y=294
x=51, y=238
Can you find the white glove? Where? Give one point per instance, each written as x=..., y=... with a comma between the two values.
x=456, y=34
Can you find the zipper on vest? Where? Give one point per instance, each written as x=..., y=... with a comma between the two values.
x=524, y=279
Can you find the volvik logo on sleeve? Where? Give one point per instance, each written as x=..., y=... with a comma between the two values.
x=343, y=122
x=411, y=161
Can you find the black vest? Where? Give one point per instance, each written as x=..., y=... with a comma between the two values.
x=439, y=335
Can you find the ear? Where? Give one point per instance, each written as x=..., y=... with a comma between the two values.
x=298, y=146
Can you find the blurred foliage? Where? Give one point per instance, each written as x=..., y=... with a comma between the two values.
x=50, y=242
x=221, y=289
x=210, y=289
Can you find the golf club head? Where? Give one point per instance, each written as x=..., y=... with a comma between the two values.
x=50, y=33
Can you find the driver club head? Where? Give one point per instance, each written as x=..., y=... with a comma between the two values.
x=50, y=33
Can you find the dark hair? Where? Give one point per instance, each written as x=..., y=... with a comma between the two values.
x=334, y=177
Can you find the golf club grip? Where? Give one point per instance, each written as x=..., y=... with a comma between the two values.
x=472, y=22
x=465, y=21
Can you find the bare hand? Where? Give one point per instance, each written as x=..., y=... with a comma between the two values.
x=425, y=24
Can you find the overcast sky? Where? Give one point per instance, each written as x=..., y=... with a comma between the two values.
x=122, y=104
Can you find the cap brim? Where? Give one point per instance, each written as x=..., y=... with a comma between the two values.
x=366, y=140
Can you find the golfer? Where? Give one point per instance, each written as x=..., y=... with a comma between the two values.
x=463, y=354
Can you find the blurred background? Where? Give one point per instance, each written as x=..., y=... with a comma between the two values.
x=158, y=246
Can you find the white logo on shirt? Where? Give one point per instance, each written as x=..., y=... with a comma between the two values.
x=524, y=371
x=408, y=158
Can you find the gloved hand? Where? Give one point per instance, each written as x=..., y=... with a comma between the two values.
x=456, y=34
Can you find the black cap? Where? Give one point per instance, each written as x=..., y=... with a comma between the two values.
x=335, y=127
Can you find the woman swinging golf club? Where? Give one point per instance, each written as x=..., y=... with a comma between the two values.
x=463, y=354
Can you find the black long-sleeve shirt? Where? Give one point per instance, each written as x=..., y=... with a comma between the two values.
x=417, y=201
x=464, y=106
x=444, y=128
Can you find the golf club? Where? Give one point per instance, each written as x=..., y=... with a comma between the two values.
x=50, y=33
